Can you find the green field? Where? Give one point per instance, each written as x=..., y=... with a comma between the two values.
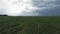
x=30, y=25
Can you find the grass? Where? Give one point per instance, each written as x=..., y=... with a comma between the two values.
x=30, y=25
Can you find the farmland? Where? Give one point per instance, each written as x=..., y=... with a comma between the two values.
x=30, y=25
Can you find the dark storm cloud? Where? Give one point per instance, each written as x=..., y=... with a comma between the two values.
x=50, y=12
x=57, y=2
x=52, y=8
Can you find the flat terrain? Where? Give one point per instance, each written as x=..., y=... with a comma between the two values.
x=30, y=25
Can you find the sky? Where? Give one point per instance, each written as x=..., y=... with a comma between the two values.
x=30, y=7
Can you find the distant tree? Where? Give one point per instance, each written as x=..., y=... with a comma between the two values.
x=3, y=15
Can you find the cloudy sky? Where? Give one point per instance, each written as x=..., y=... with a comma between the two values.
x=30, y=7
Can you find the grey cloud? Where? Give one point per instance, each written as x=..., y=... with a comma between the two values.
x=49, y=12
x=52, y=8
x=46, y=8
x=43, y=3
x=52, y=12
x=2, y=10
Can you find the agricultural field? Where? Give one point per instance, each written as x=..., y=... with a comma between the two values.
x=30, y=25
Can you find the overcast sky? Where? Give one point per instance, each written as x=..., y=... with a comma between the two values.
x=30, y=7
